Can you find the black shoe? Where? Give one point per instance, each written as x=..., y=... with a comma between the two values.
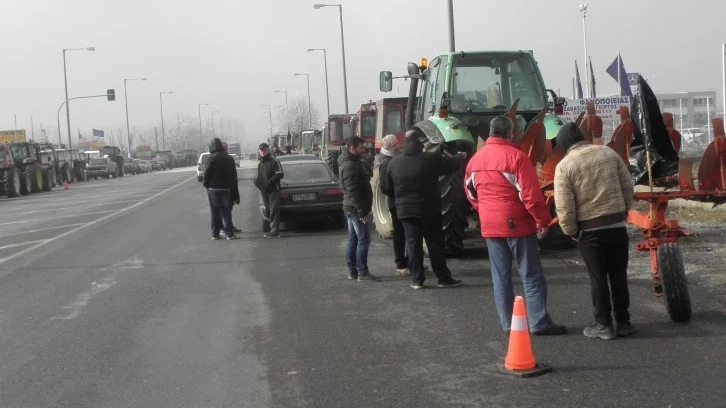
x=368, y=277
x=600, y=331
x=232, y=237
x=450, y=283
x=216, y=237
x=554, y=330
x=417, y=285
x=352, y=277
x=272, y=235
x=624, y=329
x=236, y=230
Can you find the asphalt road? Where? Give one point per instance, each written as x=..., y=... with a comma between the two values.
x=112, y=294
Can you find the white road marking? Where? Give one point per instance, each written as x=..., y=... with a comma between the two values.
x=22, y=244
x=74, y=208
x=58, y=217
x=42, y=229
x=102, y=219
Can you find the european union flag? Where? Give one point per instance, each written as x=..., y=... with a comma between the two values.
x=97, y=133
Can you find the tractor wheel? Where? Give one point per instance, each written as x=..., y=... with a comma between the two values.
x=46, y=180
x=453, y=211
x=24, y=182
x=555, y=238
x=11, y=182
x=675, y=284
x=332, y=161
x=67, y=173
x=381, y=216
x=35, y=178
x=78, y=173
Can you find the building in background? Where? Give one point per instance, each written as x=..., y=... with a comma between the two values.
x=691, y=109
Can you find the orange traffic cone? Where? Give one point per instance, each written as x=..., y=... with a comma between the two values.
x=65, y=185
x=520, y=360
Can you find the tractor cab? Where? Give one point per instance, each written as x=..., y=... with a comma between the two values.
x=336, y=131
x=311, y=141
x=363, y=124
x=390, y=120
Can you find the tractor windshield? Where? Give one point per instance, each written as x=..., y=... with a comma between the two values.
x=491, y=82
x=307, y=140
x=19, y=151
x=368, y=125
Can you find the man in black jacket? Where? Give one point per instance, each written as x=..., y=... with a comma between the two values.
x=220, y=180
x=389, y=149
x=355, y=182
x=413, y=179
x=269, y=174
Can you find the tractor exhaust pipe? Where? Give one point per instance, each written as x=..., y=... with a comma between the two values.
x=413, y=74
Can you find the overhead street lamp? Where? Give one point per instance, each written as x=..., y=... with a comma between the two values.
x=285, y=92
x=65, y=80
x=310, y=113
x=161, y=106
x=201, y=137
x=327, y=94
x=269, y=110
x=342, y=43
x=126, y=100
x=213, y=122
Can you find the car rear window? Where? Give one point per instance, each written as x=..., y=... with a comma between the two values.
x=308, y=173
x=98, y=161
x=205, y=158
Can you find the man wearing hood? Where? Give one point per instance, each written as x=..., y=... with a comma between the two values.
x=220, y=180
x=269, y=174
x=390, y=149
x=501, y=183
x=355, y=183
x=413, y=180
x=593, y=194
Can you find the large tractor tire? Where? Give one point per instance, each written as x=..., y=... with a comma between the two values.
x=120, y=166
x=35, y=178
x=11, y=182
x=381, y=216
x=47, y=186
x=555, y=238
x=78, y=173
x=24, y=182
x=332, y=160
x=453, y=211
x=675, y=284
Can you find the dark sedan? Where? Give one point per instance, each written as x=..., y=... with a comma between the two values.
x=308, y=188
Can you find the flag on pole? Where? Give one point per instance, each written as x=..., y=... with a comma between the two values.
x=97, y=133
x=617, y=70
x=578, y=93
x=80, y=136
x=592, y=79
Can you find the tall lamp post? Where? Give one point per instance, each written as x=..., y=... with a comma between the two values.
x=201, y=137
x=342, y=44
x=161, y=106
x=126, y=100
x=65, y=80
x=285, y=92
x=583, y=11
x=327, y=94
x=269, y=110
x=310, y=113
x=213, y=122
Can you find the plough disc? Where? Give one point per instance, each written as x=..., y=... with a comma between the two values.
x=710, y=175
x=591, y=126
x=623, y=135
x=533, y=142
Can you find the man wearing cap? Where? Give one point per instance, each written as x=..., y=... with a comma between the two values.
x=593, y=193
x=269, y=174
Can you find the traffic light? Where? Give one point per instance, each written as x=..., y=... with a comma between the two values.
x=111, y=94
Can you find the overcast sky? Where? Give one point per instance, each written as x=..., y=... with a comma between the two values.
x=235, y=53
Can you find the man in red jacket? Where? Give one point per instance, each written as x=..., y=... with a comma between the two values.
x=501, y=183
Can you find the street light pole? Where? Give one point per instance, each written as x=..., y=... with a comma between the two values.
x=452, y=43
x=201, y=137
x=583, y=11
x=342, y=44
x=213, y=122
x=126, y=100
x=310, y=113
x=327, y=93
x=285, y=92
x=65, y=80
x=161, y=106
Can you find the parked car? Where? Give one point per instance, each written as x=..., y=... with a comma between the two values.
x=130, y=166
x=155, y=165
x=137, y=163
x=145, y=166
x=309, y=188
x=103, y=167
x=200, y=165
x=297, y=157
x=236, y=159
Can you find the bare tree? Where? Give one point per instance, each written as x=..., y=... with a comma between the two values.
x=294, y=117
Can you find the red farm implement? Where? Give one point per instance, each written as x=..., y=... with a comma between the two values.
x=660, y=235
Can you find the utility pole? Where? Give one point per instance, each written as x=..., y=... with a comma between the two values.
x=32, y=129
x=583, y=10
x=156, y=135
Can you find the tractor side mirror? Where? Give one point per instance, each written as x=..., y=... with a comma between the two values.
x=385, y=81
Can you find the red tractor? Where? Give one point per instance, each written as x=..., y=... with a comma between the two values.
x=335, y=132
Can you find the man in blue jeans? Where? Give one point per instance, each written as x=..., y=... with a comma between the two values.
x=220, y=180
x=355, y=182
x=501, y=183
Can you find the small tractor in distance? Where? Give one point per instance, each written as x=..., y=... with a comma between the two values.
x=335, y=132
x=26, y=159
x=453, y=99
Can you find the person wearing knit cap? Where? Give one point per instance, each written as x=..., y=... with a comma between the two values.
x=593, y=193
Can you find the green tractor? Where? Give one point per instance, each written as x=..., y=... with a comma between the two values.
x=453, y=99
x=27, y=164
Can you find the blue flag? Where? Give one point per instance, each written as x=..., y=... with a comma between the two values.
x=624, y=84
x=592, y=79
x=578, y=93
x=97, y=133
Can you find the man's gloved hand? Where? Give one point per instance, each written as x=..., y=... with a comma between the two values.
x=542, y=232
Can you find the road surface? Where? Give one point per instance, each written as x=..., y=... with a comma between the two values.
x=112, y=294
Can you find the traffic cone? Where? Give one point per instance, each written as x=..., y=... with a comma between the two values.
x=65, y=185
x=520, y=360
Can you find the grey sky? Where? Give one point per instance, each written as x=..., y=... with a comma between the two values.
x=235, y=53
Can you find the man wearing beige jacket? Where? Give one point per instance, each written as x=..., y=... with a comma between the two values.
x=593, y=193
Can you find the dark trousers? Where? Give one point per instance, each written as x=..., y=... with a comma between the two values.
x=270, y=209
x=428, y=228
x=399, y=241
x=605, y=253
x=220, y=204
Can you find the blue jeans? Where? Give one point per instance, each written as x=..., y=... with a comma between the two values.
x=220, y=204
x=525, y=251
x=359, y=239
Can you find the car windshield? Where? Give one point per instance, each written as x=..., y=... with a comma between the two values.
x=307, y=173
x=98, y=162
x=491, y=82
x=205, y=158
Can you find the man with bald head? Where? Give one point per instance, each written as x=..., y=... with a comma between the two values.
x=389, y=149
